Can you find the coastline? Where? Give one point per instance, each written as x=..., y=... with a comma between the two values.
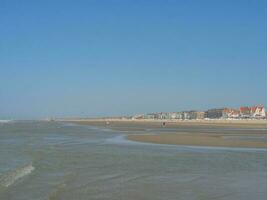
x=203, y=139
x=169, y=123
x=251, y=138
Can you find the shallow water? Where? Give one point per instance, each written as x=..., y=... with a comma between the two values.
x=57, y=161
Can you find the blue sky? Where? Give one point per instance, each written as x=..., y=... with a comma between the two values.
x=101, y=58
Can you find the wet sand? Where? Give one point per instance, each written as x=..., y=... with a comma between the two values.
x=215, y=133
x=170, y=123
x=202, y=139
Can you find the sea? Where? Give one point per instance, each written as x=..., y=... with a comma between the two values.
x=41, y=160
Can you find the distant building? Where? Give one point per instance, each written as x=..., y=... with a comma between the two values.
x=231, y=113
x=186, y=115
x=142, y=116
x=258, y=112
x=175, y=115
x=190, y=115
x=172, y=115
x=162, y=115
x=215, y=113
x=245, y=112
x=146, y=116
x=180, y=115
x=200, y=115
x=151, y=116
x=253, y=112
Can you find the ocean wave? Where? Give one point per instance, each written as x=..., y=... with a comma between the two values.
x=12, y=176
x=5, y=121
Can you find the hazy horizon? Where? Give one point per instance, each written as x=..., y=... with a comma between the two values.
x=112, y=58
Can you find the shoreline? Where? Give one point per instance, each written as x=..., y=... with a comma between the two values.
x=169, y=123
x=195, y=135
x=201, y=140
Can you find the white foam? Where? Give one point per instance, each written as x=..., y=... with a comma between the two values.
x=123, y=140
x=12, y=176
x=5, y=121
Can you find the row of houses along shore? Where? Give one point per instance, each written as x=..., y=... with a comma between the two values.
x=254, y=112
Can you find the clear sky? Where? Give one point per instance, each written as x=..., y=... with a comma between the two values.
x=121, y=57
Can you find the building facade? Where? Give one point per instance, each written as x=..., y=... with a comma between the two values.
x=215, y=113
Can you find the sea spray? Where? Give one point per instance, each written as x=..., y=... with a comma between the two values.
x=12, y=176
x=5, y=121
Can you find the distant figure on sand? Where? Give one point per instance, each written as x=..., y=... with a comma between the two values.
x=164, y=124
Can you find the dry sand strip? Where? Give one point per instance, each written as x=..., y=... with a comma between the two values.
x=210, y=140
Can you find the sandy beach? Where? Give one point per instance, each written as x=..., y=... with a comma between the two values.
x=202, y=139
x=243, y=133
x=169, y=123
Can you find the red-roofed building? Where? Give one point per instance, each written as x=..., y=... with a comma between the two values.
x=253, y=112
x=231, y=113
x=258, y=111
x=245, y=112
